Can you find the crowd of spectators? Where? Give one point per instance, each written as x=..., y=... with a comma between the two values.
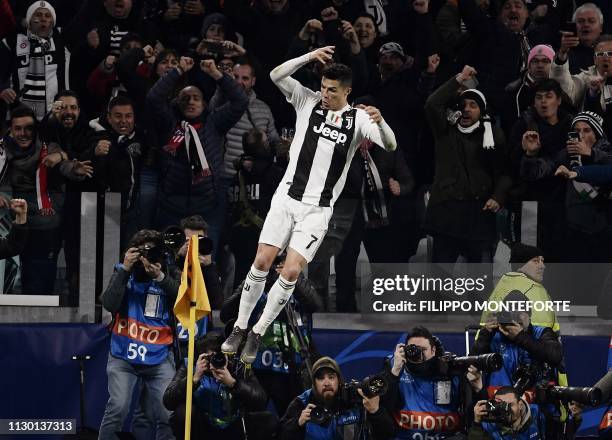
x=170, y=104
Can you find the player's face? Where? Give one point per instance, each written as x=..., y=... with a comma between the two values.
x=333, y=94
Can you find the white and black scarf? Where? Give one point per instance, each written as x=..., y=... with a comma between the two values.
x=34, y=93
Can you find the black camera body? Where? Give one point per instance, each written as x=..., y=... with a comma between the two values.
x=550, y=393
x=153, y=254
x=413, y=353
x=321, y=415
x=174, y=238
x=217, y=359
x=498, y=412
x=371, y=386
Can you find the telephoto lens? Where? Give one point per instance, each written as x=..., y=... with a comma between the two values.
x=498, y=412
x=217, y=360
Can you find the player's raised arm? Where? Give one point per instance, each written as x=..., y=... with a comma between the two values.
x=281, y=75
x=378, y=131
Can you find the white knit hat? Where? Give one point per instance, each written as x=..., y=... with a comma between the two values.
x=40, y=4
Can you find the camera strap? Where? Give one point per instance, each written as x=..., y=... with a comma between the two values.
x=303, y=345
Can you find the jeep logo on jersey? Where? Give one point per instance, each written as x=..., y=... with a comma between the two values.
x=330, y=134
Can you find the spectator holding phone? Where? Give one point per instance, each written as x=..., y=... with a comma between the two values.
x=579, y=36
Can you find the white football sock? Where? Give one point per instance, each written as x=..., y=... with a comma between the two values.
x=252, y=289
x=277, y=299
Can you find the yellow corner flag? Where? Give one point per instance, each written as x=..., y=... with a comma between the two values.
x=192, y=291
x=191, y=305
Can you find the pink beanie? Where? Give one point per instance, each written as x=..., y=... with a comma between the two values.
x=541, y=49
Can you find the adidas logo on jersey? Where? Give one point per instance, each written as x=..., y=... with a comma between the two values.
x=328, y=133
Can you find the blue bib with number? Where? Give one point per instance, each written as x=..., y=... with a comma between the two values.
x=141, y=332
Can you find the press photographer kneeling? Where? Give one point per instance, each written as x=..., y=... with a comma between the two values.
x=507, y=416
x=334, y=410
x=223, y=397
x=428, y=388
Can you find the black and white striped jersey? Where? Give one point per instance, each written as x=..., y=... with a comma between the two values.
x=323, y=147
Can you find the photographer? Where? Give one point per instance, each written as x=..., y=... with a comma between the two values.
x=196, y=225
x=424, y=398
x=534, y=351
x=221, y=397
x=140, y=294
x=323, y=413
x=14, y=242
x=284, y=355
x=522, y=421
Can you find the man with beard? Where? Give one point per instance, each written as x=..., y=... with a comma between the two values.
x=140, y=295
x=65, y=126
x=33, y=170
x=471, y=181
x=424, y=400
x=34, y=65
x=524, y=422
x=523, y=345
x=326, y=395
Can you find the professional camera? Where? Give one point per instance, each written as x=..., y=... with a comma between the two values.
x=321, y=415
x=527, y=376
x=498, y=412
x=153, y=254
x=174, y=238
x=506, y=317
x=217, y=359
x=487, y=363
x=371, y=386
x=413, y=353
x=550, y=393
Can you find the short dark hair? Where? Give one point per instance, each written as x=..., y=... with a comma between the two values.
x=22, y=111
x=195, y=223
x=68, y=94
x=144, y=236
x=340, y=73
x=211, y=341
x=423, y=332
x=371, y=17
x=507, y=390
x=548, y=85
x=129, y=38
x=603, y=38
x=253, y=141
x=119, y=100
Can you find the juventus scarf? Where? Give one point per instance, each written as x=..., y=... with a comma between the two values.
x=42, y=194
x=186, y=135
x=374, y=204
x=34, y=91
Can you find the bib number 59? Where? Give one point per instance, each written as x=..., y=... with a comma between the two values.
x=135, y=350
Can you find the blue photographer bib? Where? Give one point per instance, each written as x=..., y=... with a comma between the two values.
x=333, y=430
x=605, y=427
x=531, y=433
x=141, y=333
x=430, y=407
